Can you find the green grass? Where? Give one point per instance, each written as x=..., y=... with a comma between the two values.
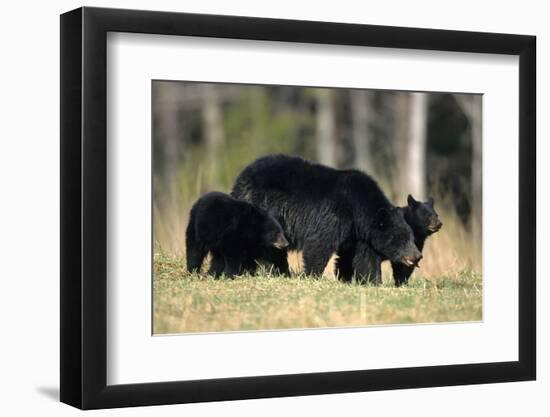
x=185, y=303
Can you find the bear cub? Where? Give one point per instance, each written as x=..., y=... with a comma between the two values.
x=235, y=232
x=424, y=221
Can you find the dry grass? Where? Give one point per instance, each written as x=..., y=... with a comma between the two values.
x=186, y=302
x=446, y=288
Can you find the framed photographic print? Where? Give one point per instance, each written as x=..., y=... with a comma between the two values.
x=257, y=208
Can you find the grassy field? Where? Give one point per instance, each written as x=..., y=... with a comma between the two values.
x=447, y=287
x=185, y=303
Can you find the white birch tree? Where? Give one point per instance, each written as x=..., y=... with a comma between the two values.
x=416, y=145
x=361, y=114
x=326, y=127
x=213, y=129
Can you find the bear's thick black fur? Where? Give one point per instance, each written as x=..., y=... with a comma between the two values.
x=323, y=210
x=235, y=233
x=424, y=221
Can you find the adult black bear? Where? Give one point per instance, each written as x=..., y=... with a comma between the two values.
x=424, y=221
x=323, y=210
x=235, y=232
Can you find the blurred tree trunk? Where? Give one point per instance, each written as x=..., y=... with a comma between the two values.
x=361, y=113
x=213, y=130
x=471, y=106
x=326, y=127
x=401, y=137
x=416, y=149
x=167, y=96
x=411, y=119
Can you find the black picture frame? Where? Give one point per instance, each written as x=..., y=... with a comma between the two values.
x=84, y=207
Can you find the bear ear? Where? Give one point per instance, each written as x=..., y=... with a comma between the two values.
x=431, y=202
x=412, y=202
x=382, y=218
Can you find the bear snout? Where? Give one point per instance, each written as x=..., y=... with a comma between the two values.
x=281, y=242
x=435, y=226
x=412, y=260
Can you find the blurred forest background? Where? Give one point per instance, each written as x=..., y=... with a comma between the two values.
x=425, y=144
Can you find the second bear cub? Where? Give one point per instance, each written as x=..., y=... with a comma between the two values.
x=236, y=233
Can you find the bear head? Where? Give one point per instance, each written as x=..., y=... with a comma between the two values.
x=392, y=237
x=272, y=233
x=422, y=216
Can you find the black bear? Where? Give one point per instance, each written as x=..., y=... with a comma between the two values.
x=424, y=221
x=324, y=210
x=235, y=233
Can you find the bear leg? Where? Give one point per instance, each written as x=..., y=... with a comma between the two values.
x=249, y=266
x=217, y=265
x=367, y=265
x=195, y=254
x=401, y=273
x=316, y=257
x=195, y=251
x=232, y=267
x=344, y=265
x=277, y=258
